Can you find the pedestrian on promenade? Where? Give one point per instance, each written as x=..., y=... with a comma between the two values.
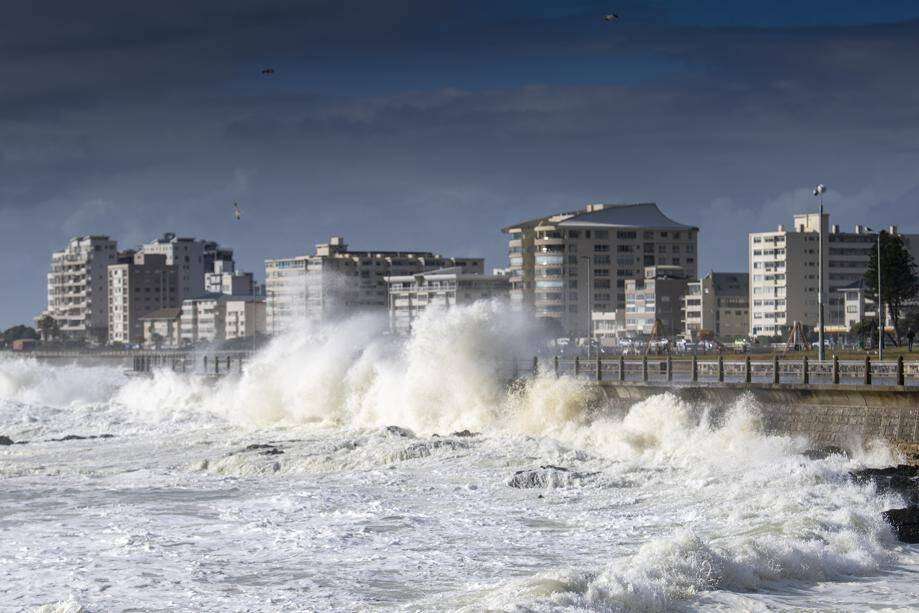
x=910, y=337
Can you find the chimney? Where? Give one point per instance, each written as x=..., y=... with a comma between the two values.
x=781, y=228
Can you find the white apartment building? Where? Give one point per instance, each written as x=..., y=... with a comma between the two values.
x=784, y=272
x=658, y=297
x=336, y=282
x=203, y=320
x=225, y=279
x=410, y=295
x=78, y=287
x=244, y=318
x=567, y=265
x=143, y=284
x=191, y=258
x=718, y=303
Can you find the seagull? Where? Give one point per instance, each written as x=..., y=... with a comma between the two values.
x=611, y=17
x=236, y=212
x=820, y=190
x=267, y=72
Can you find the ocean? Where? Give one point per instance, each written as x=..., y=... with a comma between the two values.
x=344, y=470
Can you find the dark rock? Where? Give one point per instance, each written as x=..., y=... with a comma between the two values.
x=400, y=432
x=5, y=440
x=77, y=437
x=902, y=479
x=465, y=434
x=905, y=523
x=824, y=452
x=426, y=448
x=264, y=449
x=546, y=477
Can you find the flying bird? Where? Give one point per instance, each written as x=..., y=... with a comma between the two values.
x=236, y=212
x=611, y=17
x=267, y=72
x=820, y=190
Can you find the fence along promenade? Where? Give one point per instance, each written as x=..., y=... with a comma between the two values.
x=612, y=369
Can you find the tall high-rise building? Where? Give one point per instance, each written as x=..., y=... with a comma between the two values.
x=784, y=272
x=336, y=281
x=225, y=279
x=78, y=288
x=567, y=265
x=137, y=287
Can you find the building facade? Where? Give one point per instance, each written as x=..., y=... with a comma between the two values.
x=336, y=282
x=143, y=284
x=161, y=329
x=225, y=279
x=657, y=297
x=203, y=320
x=569, y=265
x=244, y=318
x=411, y=295
x=78, y=288
x=718, y=303
x=784, y=272
x=191, y=259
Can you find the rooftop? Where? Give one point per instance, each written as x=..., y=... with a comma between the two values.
x=640, y=215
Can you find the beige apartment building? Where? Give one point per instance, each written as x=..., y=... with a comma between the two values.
x=784, y=272
x=410, y=295
x=718, y=303
x=568, y=265
x=244, y=318
x=336, y=281
x=78, y=287
x=202, y=320
x=657, y=297
x=143, y=284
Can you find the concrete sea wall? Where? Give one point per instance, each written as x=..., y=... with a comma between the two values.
x=843, y=416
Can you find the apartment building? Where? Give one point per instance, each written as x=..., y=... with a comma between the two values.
x=142, y=284
x=78, y=287
x=718, y=303
x=244, y=318
x=657, y=297
x=191, y=259
x=411, y=295
x=784, y=272
x=336, y=281
x=225, y=279
x=161, y=328
x=203, y=319
x=567, y=265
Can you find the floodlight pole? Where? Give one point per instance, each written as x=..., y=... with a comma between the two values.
x=821, y=352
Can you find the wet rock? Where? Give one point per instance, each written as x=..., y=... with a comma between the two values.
x=823, y=453
x=400, y=432
x=905, y=523
x=465, y=434
x=5, y=440
x=264, y=449
x=546, y=477
x=902, y=479
x=77, y=437
x=426, y=448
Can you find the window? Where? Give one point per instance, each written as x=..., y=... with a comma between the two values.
x=601, y=248
x=626, y=235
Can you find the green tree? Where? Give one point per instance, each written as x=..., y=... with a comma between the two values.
x=16, y=333
x=49, y=328
x=898, y=277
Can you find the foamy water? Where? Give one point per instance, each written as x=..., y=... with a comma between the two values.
x=285, y=489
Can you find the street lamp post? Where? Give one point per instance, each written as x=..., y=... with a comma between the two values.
x=590, y=304
x=821, y=351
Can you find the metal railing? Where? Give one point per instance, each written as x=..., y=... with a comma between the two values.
x=720, y=370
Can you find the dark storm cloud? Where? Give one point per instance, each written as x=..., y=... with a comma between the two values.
x=431, y=125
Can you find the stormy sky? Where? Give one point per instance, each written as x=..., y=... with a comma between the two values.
x=432, y=124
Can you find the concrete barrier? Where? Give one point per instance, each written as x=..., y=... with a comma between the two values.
x=844, y=416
